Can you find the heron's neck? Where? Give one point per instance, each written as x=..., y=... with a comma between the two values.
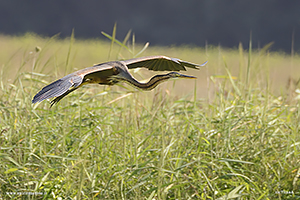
x=152, y=83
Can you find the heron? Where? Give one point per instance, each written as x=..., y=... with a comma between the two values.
x=110, y=73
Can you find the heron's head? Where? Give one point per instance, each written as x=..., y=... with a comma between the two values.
x=178, y=75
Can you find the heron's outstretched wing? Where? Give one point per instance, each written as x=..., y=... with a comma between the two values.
x=69, y=83
x=98, y=71
x=160, y=63
x=58, y=87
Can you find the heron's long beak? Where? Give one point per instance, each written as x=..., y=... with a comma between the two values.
x=187, y=76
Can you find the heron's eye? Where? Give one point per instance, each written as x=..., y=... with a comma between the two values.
x=115, y=70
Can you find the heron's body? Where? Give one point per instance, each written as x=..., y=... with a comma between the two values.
x=110, y=73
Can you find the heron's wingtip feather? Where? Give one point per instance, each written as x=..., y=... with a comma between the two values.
x=57, y=88
x=203, y=64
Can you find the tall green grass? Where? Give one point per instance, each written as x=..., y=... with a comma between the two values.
x=232, y=134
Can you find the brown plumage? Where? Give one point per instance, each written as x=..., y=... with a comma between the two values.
x=110, y=73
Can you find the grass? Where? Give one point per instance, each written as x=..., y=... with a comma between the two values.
x=232, y=134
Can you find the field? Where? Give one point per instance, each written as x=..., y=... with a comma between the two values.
x=231, y=134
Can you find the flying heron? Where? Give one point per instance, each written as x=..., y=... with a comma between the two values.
x=110, y=73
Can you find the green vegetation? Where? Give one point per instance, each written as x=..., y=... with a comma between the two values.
x=232, y=134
